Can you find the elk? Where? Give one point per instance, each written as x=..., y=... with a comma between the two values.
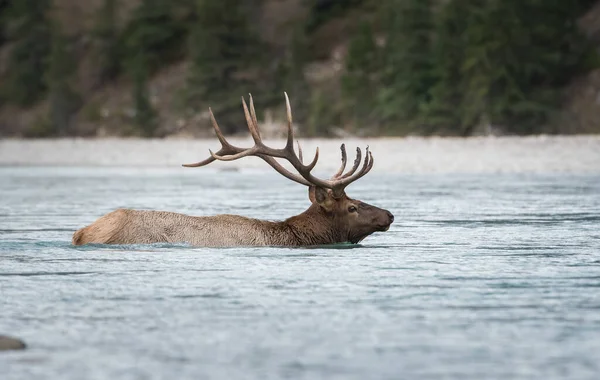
x=332, y=217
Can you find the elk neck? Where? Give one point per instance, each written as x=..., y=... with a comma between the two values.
x=315, y=227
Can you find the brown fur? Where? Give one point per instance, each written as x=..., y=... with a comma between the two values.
x=328, y=220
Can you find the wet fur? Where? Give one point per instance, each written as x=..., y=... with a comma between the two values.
x=324, y=222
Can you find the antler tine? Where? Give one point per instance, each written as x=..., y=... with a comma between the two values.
x=290, y=129
x=300, y=152
x=231, y=157
x=356, y=164
x=215, y=125
x=250, y=121
x=200, y=163
x=284, y=172
x=341, y=184
x=253, y=114
x=310, y=166
x=367, y=165
x=226, y=148
x=229, y=152
x=259, y=149
x=289, y=154
x=344, y=160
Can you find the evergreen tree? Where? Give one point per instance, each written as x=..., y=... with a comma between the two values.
x=223, y=47
x=64, y=101
x=358, y=82
x=152, y=38
x=288, y=76
x=538, y=56
x=318, y=113
x=515, y=64
x=442, y=112
x=145, y=117
x=321, y=11
x=154, y=31
x=107, y=41
x=30, y=29
x=4, y=8
x=408, y=60
x=480, y=69
x=502, y=63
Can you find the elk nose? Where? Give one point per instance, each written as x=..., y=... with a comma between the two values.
x=391, y=216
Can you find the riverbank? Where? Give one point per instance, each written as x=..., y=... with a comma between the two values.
x=534, y=154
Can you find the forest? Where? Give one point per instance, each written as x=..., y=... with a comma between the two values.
x=152, y=68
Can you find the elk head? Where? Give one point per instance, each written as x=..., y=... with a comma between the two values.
x=342, y=218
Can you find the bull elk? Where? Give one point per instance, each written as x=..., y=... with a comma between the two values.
x=332, y=217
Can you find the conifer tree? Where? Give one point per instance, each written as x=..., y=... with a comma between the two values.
x=106, y=34
x=361, y=67
x=480, y=68
x=223, y=46
x=442, y=112
x=513, y=65
x=154, y=31
x=407, y=56
x=288, y=76
x=4, y=7
x=537, y=58
x=152, y=38
x=64, y=101
x=25, y=83
x=145, y=118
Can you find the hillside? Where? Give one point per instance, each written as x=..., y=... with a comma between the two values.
x=334, y=60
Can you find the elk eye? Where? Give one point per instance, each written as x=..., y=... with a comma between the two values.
x=352, y=209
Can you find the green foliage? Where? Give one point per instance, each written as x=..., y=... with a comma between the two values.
x=154, y=31
x=145, y=117
x=224, y=56
x=30, y=31
x=4, y=7
x=539, y=58
x=289, y=76
x=108, y=45
x=322, y=113
x=443, y=111
x=407, y=60
x=321, y=11
x=317, y=113
x=152, y=38
x=64, y=101
x=359, y=82
x=413, y=66
x=498, y=65
x=41, y=127
x=92, y=111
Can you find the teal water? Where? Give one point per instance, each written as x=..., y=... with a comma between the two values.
x=480, y=277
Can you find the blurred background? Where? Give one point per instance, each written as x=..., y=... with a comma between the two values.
x=151, y=68
x=491, y=269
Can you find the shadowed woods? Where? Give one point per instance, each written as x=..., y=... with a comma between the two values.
x=151, y=68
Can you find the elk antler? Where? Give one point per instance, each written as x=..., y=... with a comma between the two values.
x=337, y=183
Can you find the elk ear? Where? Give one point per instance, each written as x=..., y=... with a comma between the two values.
x=322, y=197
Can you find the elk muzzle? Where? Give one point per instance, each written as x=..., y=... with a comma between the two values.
x=370, y=219
x=383, y=220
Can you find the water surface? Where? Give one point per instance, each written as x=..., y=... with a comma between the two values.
x=481, y=276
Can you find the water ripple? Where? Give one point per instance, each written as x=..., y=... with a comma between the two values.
x=481, y=276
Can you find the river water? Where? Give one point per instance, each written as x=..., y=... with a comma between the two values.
x=482, y=276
